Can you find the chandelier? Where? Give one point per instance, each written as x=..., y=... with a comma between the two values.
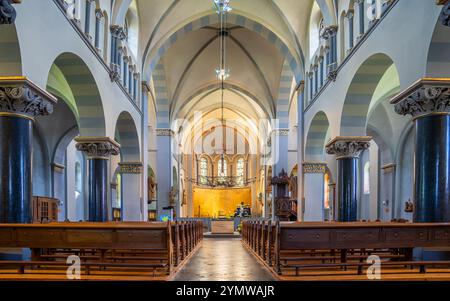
x=222, y=73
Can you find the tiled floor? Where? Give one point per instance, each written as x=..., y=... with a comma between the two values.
x=223, y=260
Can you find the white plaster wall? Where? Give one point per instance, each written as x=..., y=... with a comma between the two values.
x=44, y=36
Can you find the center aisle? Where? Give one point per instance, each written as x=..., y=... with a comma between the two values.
x=223, y=260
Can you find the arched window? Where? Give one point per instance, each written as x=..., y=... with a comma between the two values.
x=315, y=26
x=240, y=172
x=132, y=28
x=78, y=177
x=203, y=170
x=118, y=191
x=222, y=172
x=367, y=178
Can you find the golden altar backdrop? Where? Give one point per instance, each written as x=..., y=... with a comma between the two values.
x=219, y=202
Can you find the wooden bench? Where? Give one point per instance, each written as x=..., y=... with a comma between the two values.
x=155, y=246
x=341, y=245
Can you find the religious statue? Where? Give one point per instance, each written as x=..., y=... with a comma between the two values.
x=151, y=188
x=173, y=193
x=184, y=198
x=409, y=206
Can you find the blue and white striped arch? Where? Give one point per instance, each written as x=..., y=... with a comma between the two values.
x=162, y=97
x=360, y=93
x=316, y=139
x=91, y=118
x=293, y=59
x=284, y=93
x=126, y=134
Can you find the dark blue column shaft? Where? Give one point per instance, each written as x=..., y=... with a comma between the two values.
x=16, y=146
x=432, y=169
x=98, y=179
x=348, y=190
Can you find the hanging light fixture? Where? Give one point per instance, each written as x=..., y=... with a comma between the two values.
x=222, y=8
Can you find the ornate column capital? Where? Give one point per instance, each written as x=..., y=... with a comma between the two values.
x=329, y=31
x=99, y=14
x=389, y=168
x=445, y=15
x=350, y=14
x=7, y=11
x=164, y=132
x=348, y=147
x=21, y=97
x=314, y=167
x=280, y=132
x=118, y=32
x=97, y=147
x=428, y=96
x=130, y=167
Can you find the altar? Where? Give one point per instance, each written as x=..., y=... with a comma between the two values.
x=222, y=226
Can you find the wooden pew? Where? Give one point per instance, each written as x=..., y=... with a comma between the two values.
x=341, y=245
x=155, y=246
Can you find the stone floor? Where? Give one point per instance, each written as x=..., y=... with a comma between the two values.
x=223, y=260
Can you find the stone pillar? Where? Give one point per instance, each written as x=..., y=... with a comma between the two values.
x=329, y=34
x=279, y=144
x=98, y=151
x=350, y=14
x=145, y=90
x=347, y=151
x=428, y=102
x=20, y=102
x=164, y=167
x=301, y=147
x=87, y=20
x=98, y=22
x=131, y=197
x=117, y=35
x=8, y=12
x=314, y=177
x=361, y=14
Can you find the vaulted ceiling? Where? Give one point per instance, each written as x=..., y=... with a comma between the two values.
x=255, y=62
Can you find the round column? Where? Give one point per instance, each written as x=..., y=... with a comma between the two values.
x=20, y=102
x=98, y=151
x=347, y=151
x=427, y=101
x=348, y=192
x=16, y=142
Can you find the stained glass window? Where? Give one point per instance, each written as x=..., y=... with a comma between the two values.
x=367, y=178
x=222, y=172
x=240, y=172
x=203, y=170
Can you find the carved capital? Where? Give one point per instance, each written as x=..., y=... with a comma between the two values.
x=99, y=14
x=130, y=167
x=348, y=147
x=118, y=32
x=97, y=147
x=280, y=132
x=329, y=32
x=164, y=132
x=7, y=11
x=445, y=15
x=350, y=14
x=427, y=96
x=389, y=168
x=332, y=75
x=20, y=96
x=314, y=167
